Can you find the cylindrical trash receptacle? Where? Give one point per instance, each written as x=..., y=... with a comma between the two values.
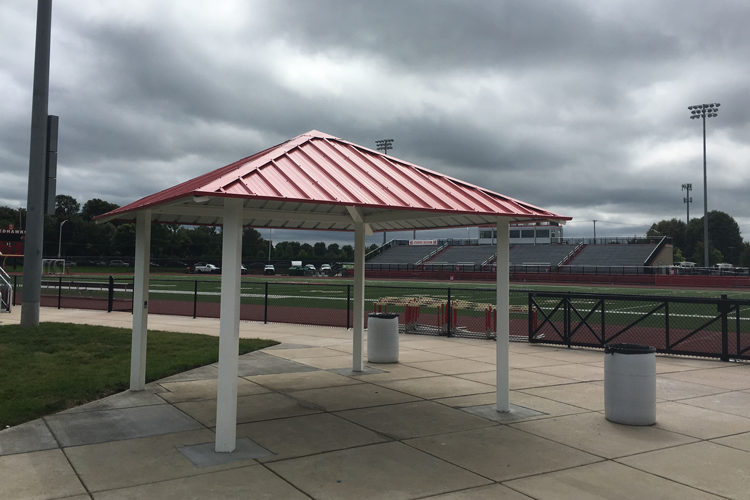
x=382, y=338
x=630, y=384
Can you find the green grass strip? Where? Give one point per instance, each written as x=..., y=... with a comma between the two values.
x=56, y=366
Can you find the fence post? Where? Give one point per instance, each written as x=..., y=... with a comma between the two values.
x=566, y=320
x=59, y=292
x=604, y=325
x=348, y=295
x=666, y=326
x=110, y=294
x=448, y=318
x=265, y=304
x=195, y=299
x=532, y=331
x=724, y=310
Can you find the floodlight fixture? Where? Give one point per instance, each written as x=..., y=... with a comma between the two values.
x=384, y=145
x=704, y=111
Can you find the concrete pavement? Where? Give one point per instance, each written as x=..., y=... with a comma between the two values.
x=421, y=428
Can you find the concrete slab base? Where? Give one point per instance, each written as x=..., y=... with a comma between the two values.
x=31, y=436
x=203, y=455
x=490, y=412
x=73, y=429
x=348, y=372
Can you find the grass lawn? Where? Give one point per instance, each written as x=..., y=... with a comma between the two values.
x=60, y=365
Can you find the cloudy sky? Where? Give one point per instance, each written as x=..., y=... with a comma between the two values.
x=579, y=107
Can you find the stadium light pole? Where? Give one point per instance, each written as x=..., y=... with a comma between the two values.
x=33, y=244
x=704, y=111
x=384, y=145
x=687, y=199
x=270, y=239
x=59, y=239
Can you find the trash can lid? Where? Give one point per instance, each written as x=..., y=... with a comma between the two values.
x=383, y=315
x=628, y=349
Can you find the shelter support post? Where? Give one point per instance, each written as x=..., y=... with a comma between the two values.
x=229, y=327
x=140, y=301
x=503, y=306
x=359, y=296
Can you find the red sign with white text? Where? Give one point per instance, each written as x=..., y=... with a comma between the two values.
x=11, y=241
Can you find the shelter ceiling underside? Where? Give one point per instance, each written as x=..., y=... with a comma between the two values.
x=297, y=215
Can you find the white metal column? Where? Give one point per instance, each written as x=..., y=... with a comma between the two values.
x=503, y=306
x=229, y=327
x=359, y=296
x=140, y=301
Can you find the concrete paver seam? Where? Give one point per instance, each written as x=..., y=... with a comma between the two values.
x=67, y=458
x=666, y=478
x=442, y=459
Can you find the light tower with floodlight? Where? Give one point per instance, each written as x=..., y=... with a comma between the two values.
x=704, y=111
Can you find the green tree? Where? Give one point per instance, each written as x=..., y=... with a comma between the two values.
x=723, y=233
x=253, y=245
x=672, y=228
x=8, y=217
x=124, y=240
x=66, y=206
x=745, y=254
x=95, y=207
x=319, y=250
x=333, y=252
x=306, y=251
x=204, y=242
x=347, y=253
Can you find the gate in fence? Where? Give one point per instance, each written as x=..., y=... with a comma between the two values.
x=676, y=325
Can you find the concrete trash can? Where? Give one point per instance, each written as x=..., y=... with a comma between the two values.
x=382, y=338
x=630, y=384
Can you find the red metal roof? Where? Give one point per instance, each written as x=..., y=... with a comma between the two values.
x=307, y=183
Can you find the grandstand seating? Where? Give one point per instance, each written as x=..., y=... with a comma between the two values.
x=539, y=254
x=613, y=255
x=459, y=254
x=403, y=254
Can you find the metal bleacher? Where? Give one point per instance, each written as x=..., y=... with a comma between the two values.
x=403, y=254
x=614, y=255
x=462, y=254
x=549, y=255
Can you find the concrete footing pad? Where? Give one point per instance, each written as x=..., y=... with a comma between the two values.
x=516, y=413
x=203, y=455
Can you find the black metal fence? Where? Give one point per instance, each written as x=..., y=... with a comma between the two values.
x=710, y=327
x=713, y=327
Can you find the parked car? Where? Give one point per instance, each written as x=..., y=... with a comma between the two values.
x=269, y=269
x=206, y=268
x=325, y=269
x=296, y=271
x=118, y=263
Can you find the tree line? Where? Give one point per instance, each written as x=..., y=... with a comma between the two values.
x=85, y=240
x=724, y=239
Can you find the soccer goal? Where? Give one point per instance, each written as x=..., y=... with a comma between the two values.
x=53, y=266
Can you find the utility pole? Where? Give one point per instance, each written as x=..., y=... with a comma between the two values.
x=704, y=111
x=32, y=255
x=687, y=199
x=594, y=221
